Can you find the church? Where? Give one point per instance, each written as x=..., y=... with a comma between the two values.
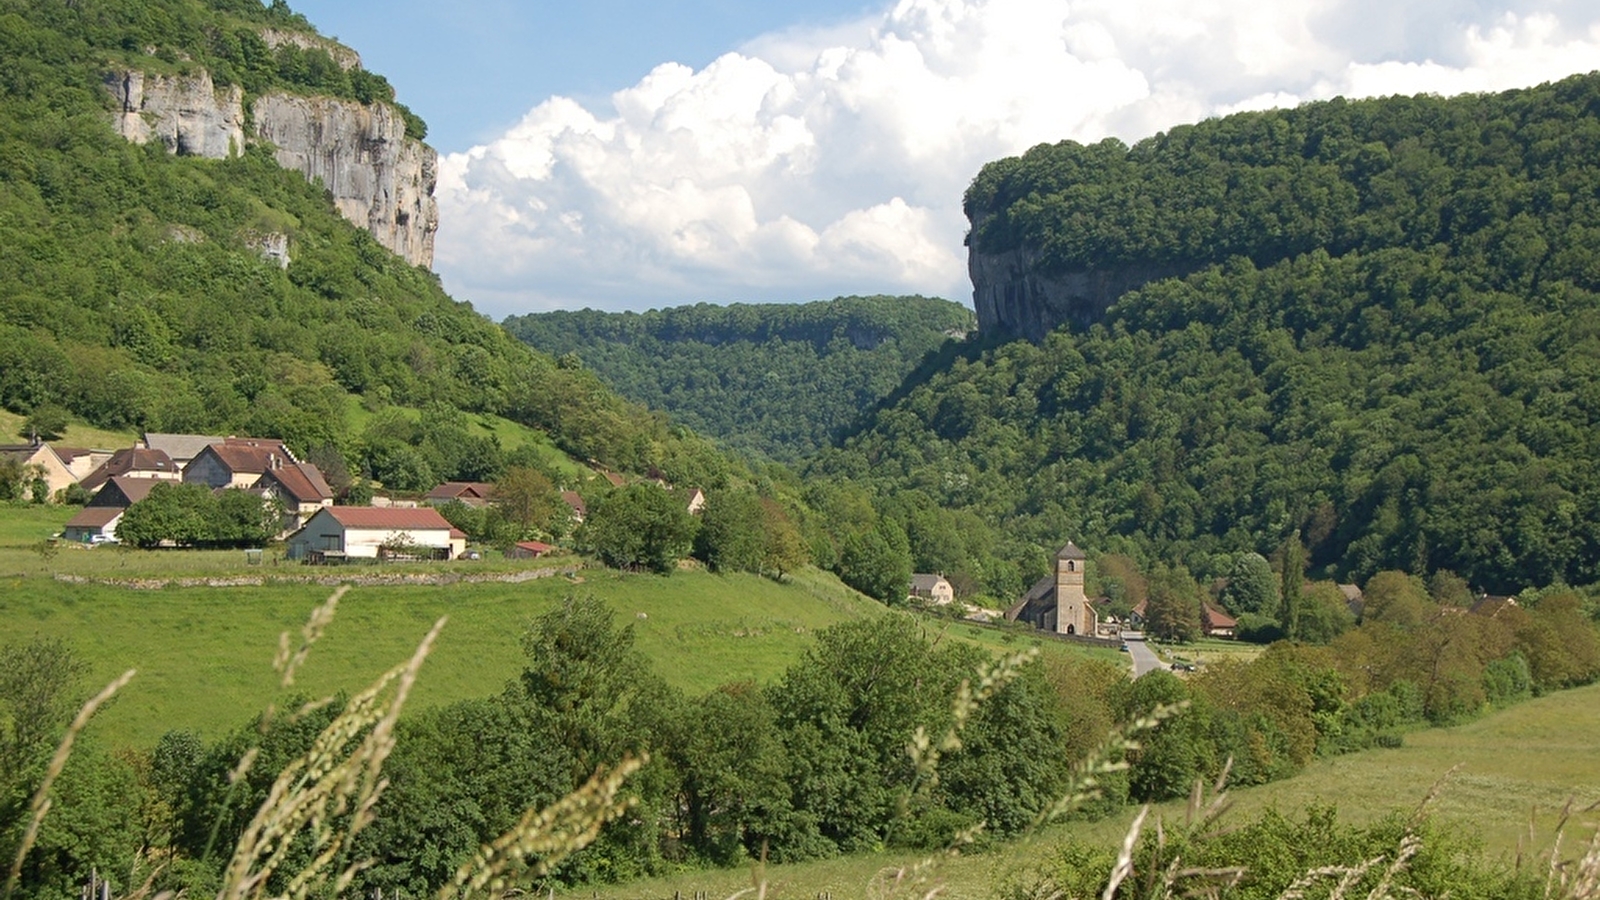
x=1057, y=603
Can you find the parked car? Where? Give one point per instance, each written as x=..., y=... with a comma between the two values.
x=1182, y=667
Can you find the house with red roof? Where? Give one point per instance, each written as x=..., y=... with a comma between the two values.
x=133, y=462
x=237, y=462
x=336, y=533
x=472, y=493
x=299, y=488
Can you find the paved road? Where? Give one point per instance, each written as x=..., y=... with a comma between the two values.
x=1144, y=659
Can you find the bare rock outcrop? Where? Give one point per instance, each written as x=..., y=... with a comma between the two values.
x=379, y=179
x=1012, y=297
x=345, y=57
x=186, y=113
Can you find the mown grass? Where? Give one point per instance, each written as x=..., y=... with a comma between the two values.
x=204, y=653
x=78, y=434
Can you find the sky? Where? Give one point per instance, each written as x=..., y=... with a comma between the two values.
x=618, y=155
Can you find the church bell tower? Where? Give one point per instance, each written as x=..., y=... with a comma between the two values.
x=1072, y=605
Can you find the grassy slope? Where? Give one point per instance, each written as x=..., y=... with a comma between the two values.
x=204, y=653
x=1531, y=757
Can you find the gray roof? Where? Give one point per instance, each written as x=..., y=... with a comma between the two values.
x=181, y=447
x=922, y=581
x=1070, y=551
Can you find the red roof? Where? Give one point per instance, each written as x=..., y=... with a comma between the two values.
x=249, y=458
x=95, y=516
x=455, y=490
x=424, y=518
x=1216, y=618
x=535, y=546
x=122, y=487
x=302, y=481
x=130, y=459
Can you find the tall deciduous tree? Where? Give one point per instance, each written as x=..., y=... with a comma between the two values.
x=640, y=526
x=1294, y=574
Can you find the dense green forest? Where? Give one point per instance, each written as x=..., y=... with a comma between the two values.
x=1392, y=350
x=130, y=295
x=780, y=380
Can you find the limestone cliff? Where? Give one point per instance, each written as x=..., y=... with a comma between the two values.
x=187, y=114
x=1012, y=297
x=379, y=179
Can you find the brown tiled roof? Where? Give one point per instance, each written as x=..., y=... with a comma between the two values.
x=454, y=490
x=1216, y=618
x=301, y=481
x=131, y=489
x=131, y=459
x=95, y=516
x=393, y=518
x=535, y=547
x=572, y=499
x=247, y=459
x=68, y=454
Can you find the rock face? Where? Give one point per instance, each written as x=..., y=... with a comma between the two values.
x=380, y=179
x=185, y=113
x=1011, y=297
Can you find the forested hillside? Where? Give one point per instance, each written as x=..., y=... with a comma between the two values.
x=133, y=292
x=1392, y=347
x=780, y=380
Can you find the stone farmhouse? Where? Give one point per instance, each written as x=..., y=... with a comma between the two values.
x=932, y=589
x=38, y=460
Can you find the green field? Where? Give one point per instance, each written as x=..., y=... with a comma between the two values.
x=204, y=653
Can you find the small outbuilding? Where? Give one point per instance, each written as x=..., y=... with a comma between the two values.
x=93, y=524
x=529, y=550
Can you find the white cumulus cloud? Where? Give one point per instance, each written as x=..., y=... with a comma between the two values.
x=808, y=164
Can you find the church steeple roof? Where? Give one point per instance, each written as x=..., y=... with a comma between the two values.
x=1070, y=551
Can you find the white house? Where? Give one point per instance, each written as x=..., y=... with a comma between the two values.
x=340, y=532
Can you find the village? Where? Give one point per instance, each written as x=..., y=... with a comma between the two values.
x=310, y=526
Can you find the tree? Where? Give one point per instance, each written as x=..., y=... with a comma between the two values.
x=528, y=501
x=640, y=526
x=47, y=422
x=173, y=511
x=1294, y=574
x=1397, y=599
x=1172, y=612
x=731, y=537
x=877, y=562
x=783, y=548
x=1324, y=613
x=241, y=518
x=1252, y=587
